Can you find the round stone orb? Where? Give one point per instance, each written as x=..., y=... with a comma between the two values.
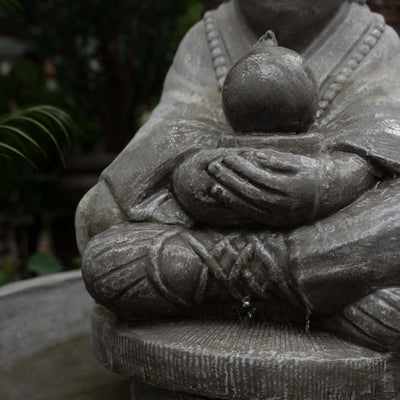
x=270, y=90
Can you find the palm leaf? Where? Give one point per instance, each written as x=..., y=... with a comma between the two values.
x=57, y=121
x=9, y=128
x=59, y=117
x=13, y=5
x=16, y=151
x=43, y=128
x=43, y=119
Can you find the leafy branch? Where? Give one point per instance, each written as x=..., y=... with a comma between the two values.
x=12, y=5
x=17, y=126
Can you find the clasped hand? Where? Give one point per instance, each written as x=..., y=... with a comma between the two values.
x=270, y=187
x=267, y=187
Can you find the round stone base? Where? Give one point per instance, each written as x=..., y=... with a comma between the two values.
x=141, y=391
x=228, y=359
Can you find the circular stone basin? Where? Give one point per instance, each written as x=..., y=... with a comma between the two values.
x=45, y=349
x=227, y=359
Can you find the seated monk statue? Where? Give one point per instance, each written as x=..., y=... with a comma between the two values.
x=195, y=219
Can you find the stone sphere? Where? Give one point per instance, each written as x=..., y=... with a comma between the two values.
x=270, y=90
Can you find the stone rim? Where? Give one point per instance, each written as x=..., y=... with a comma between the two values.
x=131, y=350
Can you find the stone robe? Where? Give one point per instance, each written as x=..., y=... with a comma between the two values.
x=145, y=258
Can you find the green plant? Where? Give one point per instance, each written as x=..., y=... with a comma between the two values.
x=109, y=58
x=18, y=129
x=13, y=5
x=102, y=62
x=44, y=264
x=31, y=141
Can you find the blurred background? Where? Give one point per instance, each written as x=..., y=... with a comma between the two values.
x=101, y=62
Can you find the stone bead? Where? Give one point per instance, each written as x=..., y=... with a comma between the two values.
x=219, y=61
x=209, y=26
x=358, y=57
x=353, y=64
x=212, y=35
x=324, y=104
x=371, y=41
x=221, y=71
x=346, y=72
x=380, y=27
x=330, y=95
x=364, y=49
x=337, y=87
x=376, y=33
x=340, y=78
x=214, y=43
x=217, y=52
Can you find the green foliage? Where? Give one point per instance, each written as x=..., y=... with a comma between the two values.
x=4, y=278
x=37, y=135
x=13, y=5
x=103, y=63
x=19, y=128
x=44, y=264
x=110, y=58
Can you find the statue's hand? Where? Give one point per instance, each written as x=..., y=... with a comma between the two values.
x=192, y=186
x=284, y=189
x=236, y=186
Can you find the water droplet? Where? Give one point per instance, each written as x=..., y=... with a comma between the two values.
x=308, y=322
x=246, y=302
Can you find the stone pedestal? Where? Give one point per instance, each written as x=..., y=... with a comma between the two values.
x=227, y=359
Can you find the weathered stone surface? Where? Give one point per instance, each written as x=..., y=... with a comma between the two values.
x=227, y=359
x=194, y=217
x=39, y=312
x=45, y=351
x=142, y=391
x=64, y=371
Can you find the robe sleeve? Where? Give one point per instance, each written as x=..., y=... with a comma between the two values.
x=344, y=257
x=188, y=118
x=365, y=118
x=136, y=186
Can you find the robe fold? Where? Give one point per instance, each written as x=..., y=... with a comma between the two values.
x=363, y=117
x=356, y=61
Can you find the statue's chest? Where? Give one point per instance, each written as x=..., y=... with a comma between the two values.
x=334, y=56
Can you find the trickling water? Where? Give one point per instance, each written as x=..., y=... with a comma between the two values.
x=308, y=322
x=246, y=302
x=250, y=314
x=247, y=307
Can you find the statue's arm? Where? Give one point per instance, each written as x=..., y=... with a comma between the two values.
x=340, y=259
x=135, y=187
x=96, y=212
x=354, y=252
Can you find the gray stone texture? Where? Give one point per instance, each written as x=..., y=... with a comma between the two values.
x=198, y=219
x=45, y=349
x=193, y=218
x=227, y=359
x=39, y=313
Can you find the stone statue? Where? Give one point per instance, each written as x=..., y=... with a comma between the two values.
x=195, y=218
